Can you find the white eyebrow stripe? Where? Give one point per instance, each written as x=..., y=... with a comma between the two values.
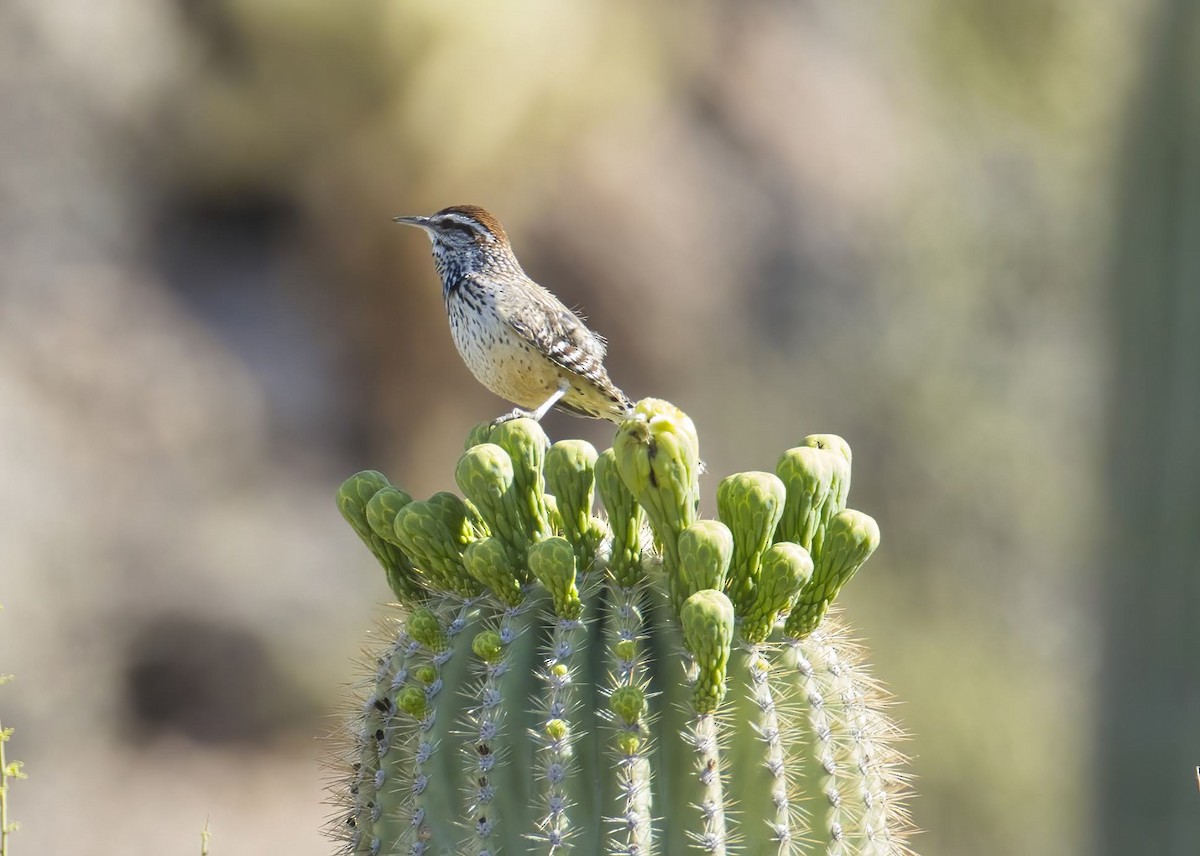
x=463, y=220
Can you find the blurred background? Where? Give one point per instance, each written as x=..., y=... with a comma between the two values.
x=965, y=235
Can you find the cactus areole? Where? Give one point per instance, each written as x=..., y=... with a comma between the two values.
x=639, y=682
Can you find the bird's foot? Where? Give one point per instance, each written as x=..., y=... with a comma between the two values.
x=516, y=413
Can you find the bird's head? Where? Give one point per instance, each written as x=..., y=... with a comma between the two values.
x=466, y=238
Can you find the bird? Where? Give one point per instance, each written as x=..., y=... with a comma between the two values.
x=516, y=337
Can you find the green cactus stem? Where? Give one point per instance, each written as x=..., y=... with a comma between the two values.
x=855, y=744
x=632, y=823
x=559, y=682
x=707, y=619
x=553, y=564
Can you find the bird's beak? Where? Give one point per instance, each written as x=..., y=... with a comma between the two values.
x=419, y=222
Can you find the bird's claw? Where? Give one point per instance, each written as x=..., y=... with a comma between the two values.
x=515, y=413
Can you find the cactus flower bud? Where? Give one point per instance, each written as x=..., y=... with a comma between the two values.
x=557, y=729
x=813, y=477
x=412, y=701
x=479, y=434
x=485, y=475
x=353, y=496
x=425, y=674
x=624, y=519
x=354, y=501
x=425, y=627
x=629, y=704
x=423, y=533
x=785, y=569
x=837, y=445
x=571, y=477
x=553, y=563
x=849, y=541
x=488, y=561
x=456, y=515
x=707, y=619
x=658, y=457
x=526, y=444
x=705, y=550
x=381, y=511
x=750, y=504
x=488, y=647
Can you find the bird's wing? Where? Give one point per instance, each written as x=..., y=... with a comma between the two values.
x=542, y=320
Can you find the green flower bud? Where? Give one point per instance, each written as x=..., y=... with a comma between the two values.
x=557, y=729
x=526, y=443
x=485, y=475
x=629, y=704
x=571, y=477
x=707, y=619
x=552, y=514
x=625, y=649
x=488, y=647
x=354, y=501
x=425, y=675
x=381, y=511
x=422, y=531
x=658, y=457
x=456, y=515
x=552, y=561
x=834, y=443
x=426, y=628
x=624, y=519
x=705, y=550
x=353, y=496
x=480, y=434
x=628, y=744
x=488, y=561
x=559, y=670
x=785, y=569
x=813, y=477
x=412, y=701
x=849, y=541
x=750, y=504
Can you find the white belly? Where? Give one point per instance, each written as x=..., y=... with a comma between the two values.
x=497, y=355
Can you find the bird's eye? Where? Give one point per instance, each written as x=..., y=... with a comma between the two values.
x=455, y=226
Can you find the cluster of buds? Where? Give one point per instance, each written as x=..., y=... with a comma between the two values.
x=647, y=681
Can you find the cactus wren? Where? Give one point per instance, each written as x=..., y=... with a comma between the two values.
x=517, y=338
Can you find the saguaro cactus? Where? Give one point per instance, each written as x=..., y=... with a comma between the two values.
x=559, y=682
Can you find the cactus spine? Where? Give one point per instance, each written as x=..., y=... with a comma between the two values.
x=558, y=682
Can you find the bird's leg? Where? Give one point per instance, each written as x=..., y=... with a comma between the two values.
x=564, y=386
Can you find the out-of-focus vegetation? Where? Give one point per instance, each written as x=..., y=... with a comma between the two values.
x=902, y=224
